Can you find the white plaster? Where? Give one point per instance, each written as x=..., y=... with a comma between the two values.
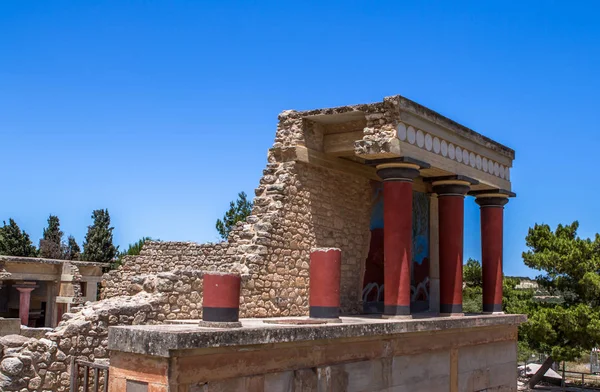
x=428, y=142
x=411, y=135
x=420, y=138
x=436, y=145
x=402, y=131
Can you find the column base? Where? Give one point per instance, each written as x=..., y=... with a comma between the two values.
x=397, y=316
x=452, y=314
x=493, y=313
x=492, y=308
x=396, y=311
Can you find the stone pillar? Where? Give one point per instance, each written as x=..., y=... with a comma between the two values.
x=25, y=290
x=221, y=299
x=492, y=222
x=325, y=275
x=451, y=210
x=397, y=235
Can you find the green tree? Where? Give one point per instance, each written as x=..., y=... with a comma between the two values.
x=14, y=241
x=98, y=245
x=472, y=291
x=51, y=242
x=570, y=268
x=238, y=211
x=72, y=251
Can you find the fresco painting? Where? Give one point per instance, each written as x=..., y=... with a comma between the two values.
x=373, y=287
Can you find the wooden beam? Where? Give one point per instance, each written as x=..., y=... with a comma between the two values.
x=317, y=158
x=341, y=144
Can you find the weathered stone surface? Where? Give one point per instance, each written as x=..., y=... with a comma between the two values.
x=166, y=338
x=13, y=340
x=11, y=366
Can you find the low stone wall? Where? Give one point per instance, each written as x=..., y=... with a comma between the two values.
x=10, y=326
x=31, y=364
x=157, y=257
x=467, y=354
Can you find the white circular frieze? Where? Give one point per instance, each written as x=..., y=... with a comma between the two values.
x=472, y=159
x=402, y=131
x=444, y=148
x=436, y=145
x=507, y=174
x=458, y=154
x=451, y=151
x=496, y=168
x=465, y=157
x=478, y=162
x=428, y=142
x=420, y=138
x=411, y=135
x=484, y=165
x=501, y=171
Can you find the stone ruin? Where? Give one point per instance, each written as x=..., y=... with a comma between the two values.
x=319, y=189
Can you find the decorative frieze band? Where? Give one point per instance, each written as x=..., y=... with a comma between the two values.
x=450, y=150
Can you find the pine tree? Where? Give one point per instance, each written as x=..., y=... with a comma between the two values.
x=15, y=242
x=564, y=329
x=98, y=245
x=238, y=211
x=72, y=251
x=51, y=242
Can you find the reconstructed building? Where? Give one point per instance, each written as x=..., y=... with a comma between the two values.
x=350, y=177
x=384, y=184
x=39, y=291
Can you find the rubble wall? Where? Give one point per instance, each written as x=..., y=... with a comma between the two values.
x=297, y=207
x=30, y=364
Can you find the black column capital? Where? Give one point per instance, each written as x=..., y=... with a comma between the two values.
x=491, y=201
x=451, y=187
x=398, y=171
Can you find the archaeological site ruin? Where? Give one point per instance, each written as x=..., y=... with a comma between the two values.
x=347, y=276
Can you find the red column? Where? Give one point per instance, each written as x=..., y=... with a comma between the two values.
x=492, y=222
x=325, y=274
x=221, y=297
x=451, y=195
x=24, y=302
x=397, y=235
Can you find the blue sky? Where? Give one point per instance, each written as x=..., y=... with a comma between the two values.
x=162, y=111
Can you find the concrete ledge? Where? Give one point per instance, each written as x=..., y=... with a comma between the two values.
x=160, y=340
x=10, y=326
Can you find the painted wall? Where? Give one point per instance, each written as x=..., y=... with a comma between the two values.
x=374, y=273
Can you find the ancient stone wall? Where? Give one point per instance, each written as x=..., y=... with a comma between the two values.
x=30, y=364
x=157, y=257
x=297, y=207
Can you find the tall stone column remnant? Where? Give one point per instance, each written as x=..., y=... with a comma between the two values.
x=398, y=175
x=221, y=299
x=25, y=289
x=325, y=276
x=451, y=193
x=492, y=226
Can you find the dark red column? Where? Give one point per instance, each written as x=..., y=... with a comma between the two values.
x=221, y=297
x=325, y=274
x=24, y=301
x=451, y=206
x=492, y=224
x=397, y=235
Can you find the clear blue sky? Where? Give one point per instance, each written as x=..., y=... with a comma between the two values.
x=161, y=111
